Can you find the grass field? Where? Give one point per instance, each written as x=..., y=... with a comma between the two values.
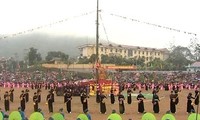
x=130, y=110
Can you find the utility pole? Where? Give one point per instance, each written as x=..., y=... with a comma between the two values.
x=97, y=42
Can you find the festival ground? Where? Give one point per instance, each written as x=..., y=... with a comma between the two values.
x=130, y=110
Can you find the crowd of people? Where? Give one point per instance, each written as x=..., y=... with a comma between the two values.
x=169, y=83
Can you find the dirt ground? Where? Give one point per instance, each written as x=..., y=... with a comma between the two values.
x=130, y=110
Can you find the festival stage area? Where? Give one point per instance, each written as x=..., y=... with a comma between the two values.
x=130, y=110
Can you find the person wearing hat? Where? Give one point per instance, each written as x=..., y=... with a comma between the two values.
x=121, y=99
x=190, y=103
x=102, y=103
x=196, y=100
x=11, y=94
x=22, y=100
x=39, y=95
x=86, y=112
x=67, y=100
x=172, y=102
x=129, y=97
x=35, y=102
x=84, y=100
x=140, y=99
x=49, y=101
x=7, y=101
x=155, y=102
x=27, y=95
x=112, y=96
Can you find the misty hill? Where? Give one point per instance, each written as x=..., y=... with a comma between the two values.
x=18, y=46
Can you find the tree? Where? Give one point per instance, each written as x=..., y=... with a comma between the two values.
x=33, y=56
x=83, y=60
x=57, y=54
x=180, y=57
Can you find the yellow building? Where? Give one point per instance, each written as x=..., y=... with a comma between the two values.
x=125, y=51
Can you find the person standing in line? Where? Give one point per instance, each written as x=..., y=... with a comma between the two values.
x=102, y=103
x=129, y=97
x=27, y=95
x=7, y=101
x=11, y=95
x=190, y=103
x=112, y=96
x=39, y=95
x=140, y=99
x=172, y=102
x=35, y=102
x=176, y=96
x=155, y=102
x=22, y=101
x=121, y=99
x=196, y=100
x=98, y=95
x=84, y=100
x=67, y=100
x=49, y=102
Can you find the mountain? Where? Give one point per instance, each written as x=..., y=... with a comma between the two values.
x=18, y=46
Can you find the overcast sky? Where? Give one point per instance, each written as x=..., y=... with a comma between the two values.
x=22, y=15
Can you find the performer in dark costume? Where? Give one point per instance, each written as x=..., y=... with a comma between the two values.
x=129, y=97
x=176, y=97
x=190, y=103
x=35, y=102
x=22, y=100
x=112, y=96
x=49, y=100
x=98, y=96
x=172, y=102
x=39, y=95
x=84, y=100
x=27, y=95
x=6, y=101
x=140, y=99
x=67, y=100
x=102, y=103
x=155, y=101
x=121, y=103
x=196, y=100
x=11, y=95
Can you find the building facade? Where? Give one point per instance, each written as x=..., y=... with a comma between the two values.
x=125, y=51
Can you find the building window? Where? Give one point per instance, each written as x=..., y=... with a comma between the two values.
x=101, y=49
x=111, y=50
x=120, y=50
x=130, y=53
x=124, y=51
x=143, y=52
x=147, y=52
x=115, y=50
x=147, y=58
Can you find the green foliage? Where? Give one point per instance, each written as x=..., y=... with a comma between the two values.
x=33, y=56
x=56, y=54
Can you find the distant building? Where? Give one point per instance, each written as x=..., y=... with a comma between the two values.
x=125, y=51
x=194, y=67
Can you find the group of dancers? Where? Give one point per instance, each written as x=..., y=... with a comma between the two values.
x=101, y=99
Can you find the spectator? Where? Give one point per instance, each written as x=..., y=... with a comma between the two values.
x=86, y=111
